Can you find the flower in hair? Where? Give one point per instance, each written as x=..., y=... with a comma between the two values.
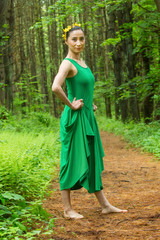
x=67, y=29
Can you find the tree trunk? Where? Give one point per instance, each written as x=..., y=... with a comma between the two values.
x=33, y=65
x=157, y=2
x=53, y=55
x=22, y=58
x=41, y=53
x=123, y=100
x=108, y=107
x=130, y=63
x=148, y=101
x=105, y=61
x=4, y=6
x=157, y=107
x=88, y=54
x=116, y=57
x=8, y=58
x=94, y=49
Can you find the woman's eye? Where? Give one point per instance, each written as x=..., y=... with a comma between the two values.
x=75, y=39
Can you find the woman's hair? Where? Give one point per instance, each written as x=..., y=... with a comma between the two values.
x=70, y=29
x=73, y=29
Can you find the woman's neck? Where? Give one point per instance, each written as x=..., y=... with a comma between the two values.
x=74, y=56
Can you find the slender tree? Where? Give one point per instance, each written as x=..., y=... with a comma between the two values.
x=7, y=56
x=41, y=51
x=157, y=2
x=107, y=66
x=129, y=60
x=53, y=53
x=116, y=56
x=86, y=17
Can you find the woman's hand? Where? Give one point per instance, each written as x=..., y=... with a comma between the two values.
x=94, y=107
x=77, y=104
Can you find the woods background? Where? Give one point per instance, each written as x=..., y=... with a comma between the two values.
x=122, y=49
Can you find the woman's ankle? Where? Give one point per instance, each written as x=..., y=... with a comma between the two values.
x=67, y=209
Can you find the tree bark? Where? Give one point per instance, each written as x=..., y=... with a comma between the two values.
x=41, y=53
x=33, y=64
x=130, y=63
x=157, y=107
x=157, y=2
x=4, y=6
x=8, y=57
x=53, y=55
x=23, y=66
x=116, y=57
x=148, y=103
x=88, y=52
x=106, y=63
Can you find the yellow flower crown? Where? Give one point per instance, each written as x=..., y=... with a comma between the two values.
x=69, y=28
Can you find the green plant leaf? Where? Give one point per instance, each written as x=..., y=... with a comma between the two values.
x=21, y=226
x=10, y=195
x=4, y=210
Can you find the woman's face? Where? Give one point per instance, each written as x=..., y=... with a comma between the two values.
x=76, y=41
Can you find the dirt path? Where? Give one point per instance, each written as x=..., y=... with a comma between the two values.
x=131, y=181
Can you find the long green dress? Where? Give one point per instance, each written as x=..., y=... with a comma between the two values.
x=81, y=147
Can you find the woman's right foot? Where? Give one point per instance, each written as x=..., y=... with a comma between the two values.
x=72, y=214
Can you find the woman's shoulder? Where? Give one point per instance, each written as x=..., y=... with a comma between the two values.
x=65, y=65
x=66, y=62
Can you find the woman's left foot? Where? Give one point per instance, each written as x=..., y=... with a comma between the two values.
x=72, y=214
x=112, y=209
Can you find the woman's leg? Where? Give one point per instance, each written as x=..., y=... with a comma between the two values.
x=68, y=211
x=106, y=206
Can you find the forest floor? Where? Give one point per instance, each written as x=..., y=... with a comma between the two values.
x=131, y=181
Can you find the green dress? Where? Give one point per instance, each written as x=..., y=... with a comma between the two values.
x=81, y=147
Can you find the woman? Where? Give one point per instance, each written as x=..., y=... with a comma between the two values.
x=81, y=151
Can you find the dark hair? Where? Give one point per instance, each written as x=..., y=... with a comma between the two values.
x=73, y=29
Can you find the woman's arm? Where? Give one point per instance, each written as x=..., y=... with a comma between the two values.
x=64, y=69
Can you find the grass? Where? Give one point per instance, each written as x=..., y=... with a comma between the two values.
x=27, y=161
x=145, y=136
x=29, y=155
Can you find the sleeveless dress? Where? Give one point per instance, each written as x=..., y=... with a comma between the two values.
x=81, y=147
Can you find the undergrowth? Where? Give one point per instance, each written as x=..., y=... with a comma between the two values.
x=29, y=155
x=145, y=136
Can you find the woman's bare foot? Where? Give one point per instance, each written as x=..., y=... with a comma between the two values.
x=72, y=214
x=106, y=206
x=112, y=209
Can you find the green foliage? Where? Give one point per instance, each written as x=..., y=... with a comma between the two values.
x=145, y=136
x=112, y=41
x=63, y=9
x=4, y=113
x=18, y=217
x=3, y=37
x=103, y=87
x=33, y=122
x=146, y=41
x=28, y=97
x=27, y=160
x=145, y=34
x=30, y=149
